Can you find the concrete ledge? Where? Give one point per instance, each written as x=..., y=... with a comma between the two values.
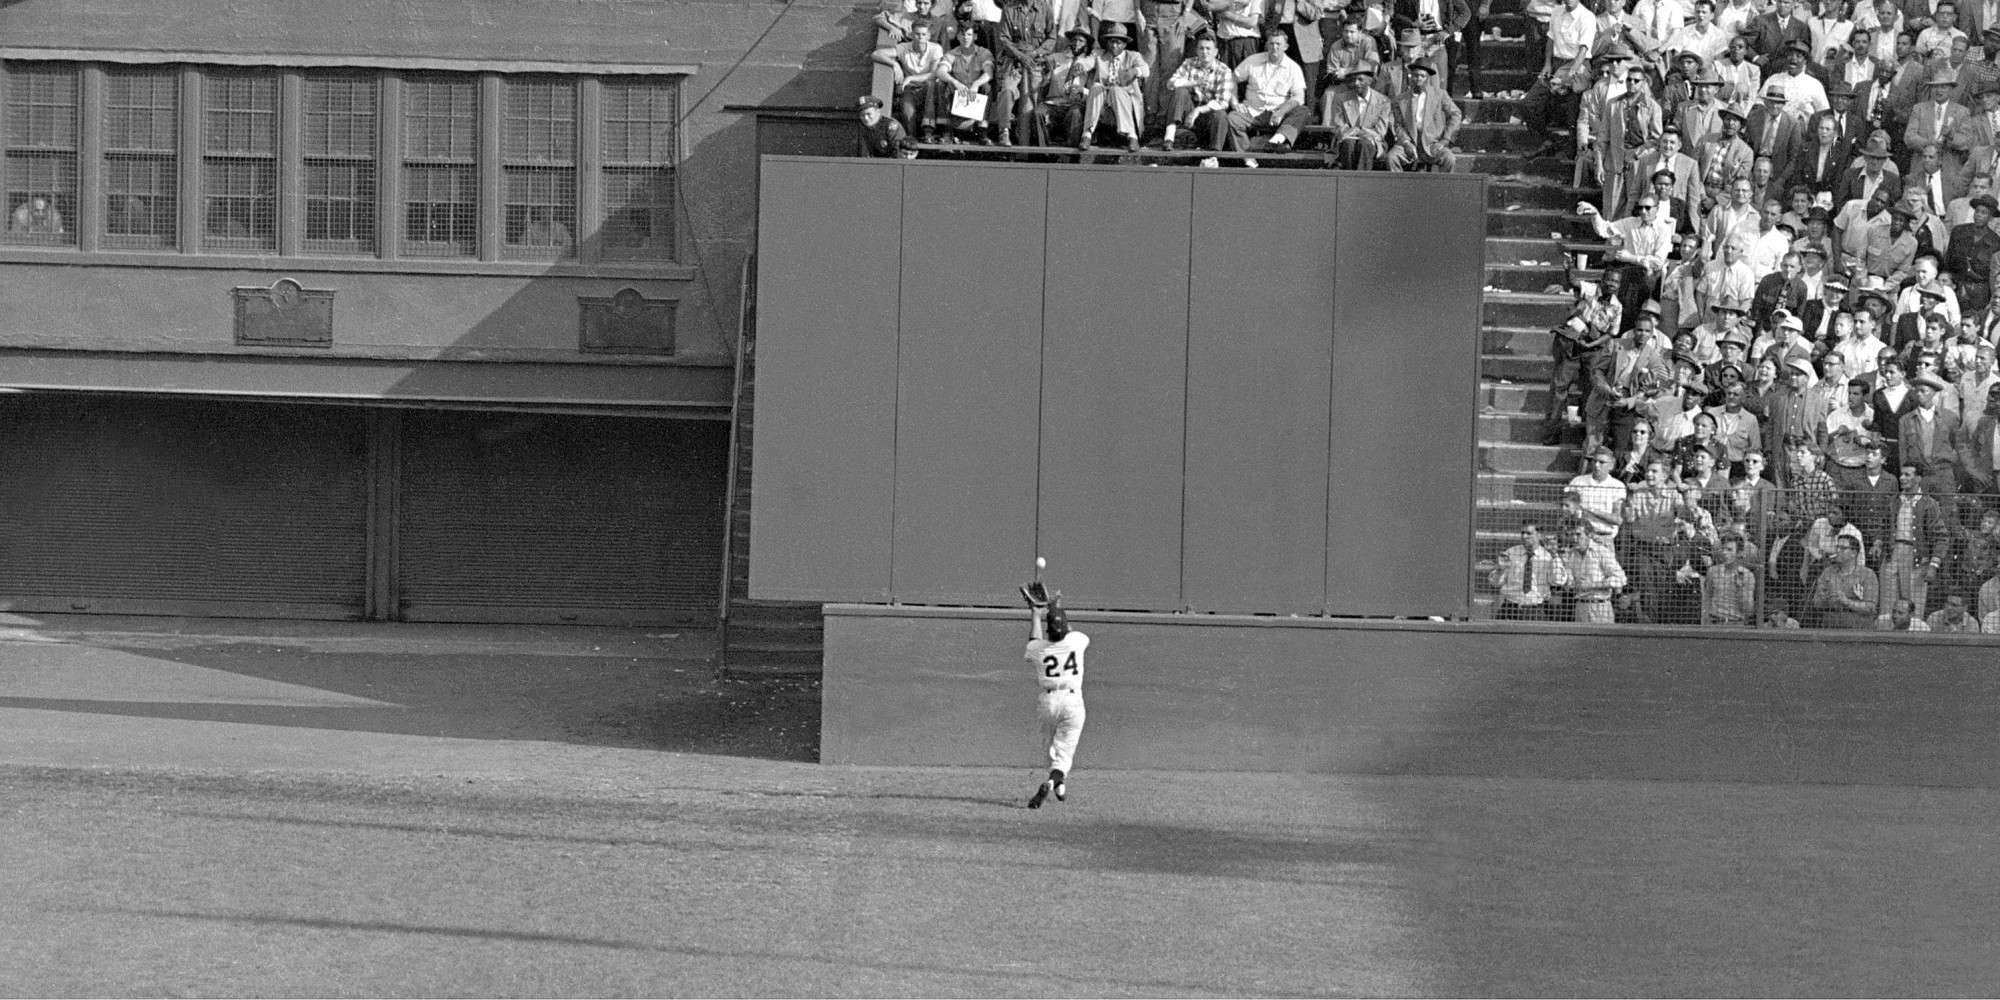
x=945, y=686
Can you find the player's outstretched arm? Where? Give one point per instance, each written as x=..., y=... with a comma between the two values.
x=1037, y=621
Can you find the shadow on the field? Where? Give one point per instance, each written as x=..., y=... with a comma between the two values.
x=1081, y=985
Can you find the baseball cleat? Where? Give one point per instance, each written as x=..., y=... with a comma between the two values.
x=1062, y=792
x=1040, y=794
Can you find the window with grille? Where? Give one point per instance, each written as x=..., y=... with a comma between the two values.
x=538, y=162
x=240, y=162
x=141, y=142
x=440, y=167
x=41, y=142
x=639, y=148
x=338, y=136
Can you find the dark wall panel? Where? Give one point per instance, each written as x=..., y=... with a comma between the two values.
x=1113, y=385
x=969, y=384
x=1199, y=693
x=825, y=465
x=1259, y=353
x=1399, y=518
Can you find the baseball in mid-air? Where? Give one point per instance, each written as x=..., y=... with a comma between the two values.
x=1041, y=563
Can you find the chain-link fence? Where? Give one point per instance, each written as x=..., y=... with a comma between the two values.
x=1856, y=553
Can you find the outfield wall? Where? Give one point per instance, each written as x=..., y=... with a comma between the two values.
x=929, y=686
x=1234, y=391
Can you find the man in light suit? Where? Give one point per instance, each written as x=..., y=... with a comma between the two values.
x=1360, y=117
x=1426, y=123
x=1933, y=119
x=1668, y=156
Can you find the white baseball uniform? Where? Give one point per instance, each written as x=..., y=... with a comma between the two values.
x=1059, y=670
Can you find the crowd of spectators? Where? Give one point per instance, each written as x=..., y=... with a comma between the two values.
x=1369, y=78
x=1784, y=369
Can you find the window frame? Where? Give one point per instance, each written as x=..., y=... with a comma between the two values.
x=186, y=173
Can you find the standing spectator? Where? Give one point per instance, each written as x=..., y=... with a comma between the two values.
x=1933, y=119
x=1200, y=95
x=1360, y=118
x=1641, y=244
x=1596, y=498
x=1793, y=414
x=1700, y=115
x=1819, y=166
x=1979, y=446
x=1723, y=156
x=1773, y=33
x=1163, y=41
x=1274, y=98
x=1700, y=36
x=1465, y=54
x=1120, y=77
x=1876, y=176
x=1914, y=548
x=1437, y=22
x=1730, y=588
x=1524, y=575
x=1772, y=130
x=1299, y=20
x=1735, y=426
x=1968, y=256
x=1926, y=434
x=1236, y=24
x=1594, y=575
x=1622, y=379
x=1846, y=594
x=1427, y=124
x=1591, y=325
x=1867, y=496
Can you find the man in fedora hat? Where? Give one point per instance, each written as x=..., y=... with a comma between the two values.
x=1274, y=98
x=1699, y=114
x=1875, y=174
x=1426, y=124
x=1360, y=117
x=1436, y=22
x=1121, y=77
x=1820, y=316
x=1393, y=77
x=1771, y=130
x=1683, y=69
x=1722, y=155
x=1067, y=88
x=1933, y=119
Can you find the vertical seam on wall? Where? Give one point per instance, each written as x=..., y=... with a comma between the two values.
x=1187, y=382
x=896, y=404
x=1042, y=358
x=1332, y=332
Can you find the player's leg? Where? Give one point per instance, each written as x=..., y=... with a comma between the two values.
x=1049, y=710
x=1062, y=745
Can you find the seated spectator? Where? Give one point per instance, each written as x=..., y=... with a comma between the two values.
x=1524, y=575
x=1274, y=99
x=1067, y=89
x=1640, y=246
x=1846, y=593
x=1202, y=92
x=1360, y=118
x=1777, y=615
x=918, y=69
x=1952, y=617
x=1729, y=589
x=37, y=215
x=1426, y=124
x=1902, y=617
x=1119, y=85
x=899, y=20
x=967, y=82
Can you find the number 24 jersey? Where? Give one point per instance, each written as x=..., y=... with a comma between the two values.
x=1059, y=664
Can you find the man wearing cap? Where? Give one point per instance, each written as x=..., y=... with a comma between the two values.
x=1926, y=434
x=1426, y=124
x=1393, y=77
x=1684, y=68
x=1819, y=317
x=1770, y=130
x=1067, y=88
x=1360, y=117
x=1968, y=256
x=1699, y=114
x=1274, y=98
x=880, y=135
x=1723, y=156
x=1917, y=539
x=1121, y=77
x=1792, y=412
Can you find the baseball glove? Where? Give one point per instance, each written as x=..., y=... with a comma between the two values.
x=1036, y=595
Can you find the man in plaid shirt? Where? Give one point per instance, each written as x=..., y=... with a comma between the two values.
x=1204, y=89
x=1809, y=493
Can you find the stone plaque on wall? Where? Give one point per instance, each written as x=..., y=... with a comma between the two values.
x=626, y=323
x=284, y=315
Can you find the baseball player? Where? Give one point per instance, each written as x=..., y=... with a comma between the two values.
x=1057, y=655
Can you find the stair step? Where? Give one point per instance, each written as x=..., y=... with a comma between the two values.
x=1526, y=309
x=1496, y=137
x=1532, y=278
x=1520, y=192
x=1531, y=368
x=1514, y=397
x=1510, y=428
x=1529, y=341
x=1506, y=456
x=1523, y=250
x=1548, y=167
x=1540, y=223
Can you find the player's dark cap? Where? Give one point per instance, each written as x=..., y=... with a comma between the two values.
x=1057, y=623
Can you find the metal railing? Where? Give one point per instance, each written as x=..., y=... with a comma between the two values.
x=1738, y=554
